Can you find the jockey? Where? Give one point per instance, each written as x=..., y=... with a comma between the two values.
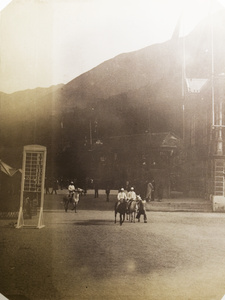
x=71, y=189
x=131, y=196
x=121, y=196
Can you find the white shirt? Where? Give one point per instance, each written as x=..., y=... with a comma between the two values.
x=71, y=188
x=131, y=195
x=122, y=195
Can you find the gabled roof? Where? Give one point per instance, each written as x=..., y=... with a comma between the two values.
x=195, y=85
x=165, y=139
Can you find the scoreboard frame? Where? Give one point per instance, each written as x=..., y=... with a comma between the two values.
x=33, y=180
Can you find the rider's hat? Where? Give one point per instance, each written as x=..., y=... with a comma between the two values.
x=71, y=182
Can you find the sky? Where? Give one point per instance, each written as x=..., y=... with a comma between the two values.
x=47, y=42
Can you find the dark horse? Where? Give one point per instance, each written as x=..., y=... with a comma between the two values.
x=120, y=207
x=73, y=199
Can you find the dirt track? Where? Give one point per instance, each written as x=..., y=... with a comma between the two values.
x=87, y=256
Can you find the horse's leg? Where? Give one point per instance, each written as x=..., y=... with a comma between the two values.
x=127, y=212
x=66, y=205
x=75, y=207
x=122, y=216
x=145, y=218
x=115, y=216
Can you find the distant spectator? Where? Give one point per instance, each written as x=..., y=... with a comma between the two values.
x=153, y=191
x=96, y=190
x=61, y=183
x=27, y=206
x=149, y=191
x=47, y=186
x=55, y=187
x=127, y=186
x=160, y=191
x=107, y=191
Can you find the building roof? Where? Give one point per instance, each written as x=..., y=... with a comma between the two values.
x=195, y=85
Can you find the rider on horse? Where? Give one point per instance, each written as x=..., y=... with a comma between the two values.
x=131, y=196
x=121, y=197
x=71, y=189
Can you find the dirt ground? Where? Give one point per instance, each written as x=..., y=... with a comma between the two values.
x=87, y=256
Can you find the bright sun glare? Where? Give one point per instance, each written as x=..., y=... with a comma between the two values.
x=4, y=3
x=193, y=14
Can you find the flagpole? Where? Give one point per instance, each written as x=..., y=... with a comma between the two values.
x=212, y=69
x=183, y=74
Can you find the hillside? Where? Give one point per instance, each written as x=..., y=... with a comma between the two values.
x=131, y=93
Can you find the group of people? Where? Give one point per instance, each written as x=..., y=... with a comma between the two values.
x=129, y=196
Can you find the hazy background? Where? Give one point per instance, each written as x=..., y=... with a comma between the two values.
x=47, y=42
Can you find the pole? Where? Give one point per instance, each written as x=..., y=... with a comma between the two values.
x=90, y=135
x=212, y=69
x=183, y=78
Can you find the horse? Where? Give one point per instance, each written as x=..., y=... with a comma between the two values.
x=73, y=199
x=141, y=210
x=120, y=207
x=132, y=210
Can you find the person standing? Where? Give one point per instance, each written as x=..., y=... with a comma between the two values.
x=107, y=191
x=127, y=186
x=47, y=186
x=28, y=207
x=160, y=192
x=96, y=189
x=149, y=191
x=55, y=186
x=153, y=191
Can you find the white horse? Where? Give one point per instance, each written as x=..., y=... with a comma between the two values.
x=132, y=210
x=72, y=198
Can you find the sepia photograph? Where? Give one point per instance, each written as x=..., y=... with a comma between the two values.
x=112, y=149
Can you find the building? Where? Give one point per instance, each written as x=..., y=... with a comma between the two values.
x=136, y=159
x=204, y=141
